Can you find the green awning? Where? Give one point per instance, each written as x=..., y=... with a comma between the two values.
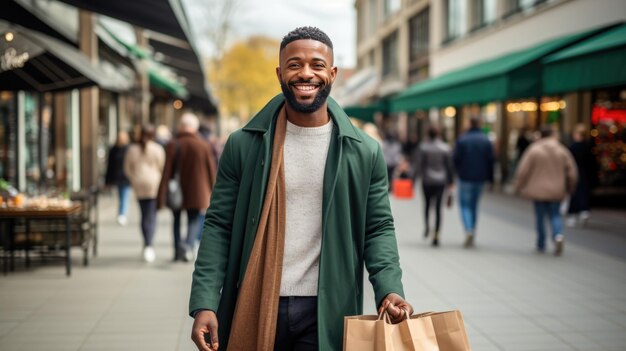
x=159, y=79
x=597, y=62
x=512, y=76
x=160, y=76
x=365, y=113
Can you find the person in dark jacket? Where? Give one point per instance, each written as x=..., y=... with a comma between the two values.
x=434, y=166
x=579, y=207
x=115, y=175
x=473, y=162
x=197, y=168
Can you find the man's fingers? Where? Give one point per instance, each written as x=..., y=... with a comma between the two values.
x=198, y=339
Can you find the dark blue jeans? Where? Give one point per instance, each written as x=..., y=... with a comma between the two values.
x=296, y=328
x=193, y=223
x=548, y=209
x=148, y=219
x=124, y=193
x=469, y=195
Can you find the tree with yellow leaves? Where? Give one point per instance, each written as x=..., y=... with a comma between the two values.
x=245, y=77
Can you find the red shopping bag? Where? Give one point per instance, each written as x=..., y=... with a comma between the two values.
x=402, y=188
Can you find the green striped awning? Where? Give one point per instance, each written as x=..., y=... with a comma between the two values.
x=511, y=76
x=597, y=62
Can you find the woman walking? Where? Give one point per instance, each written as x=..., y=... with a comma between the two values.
x=434, y=166
x=143, y=166
x=115, y=175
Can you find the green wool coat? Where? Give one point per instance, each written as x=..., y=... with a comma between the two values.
x=357, y=225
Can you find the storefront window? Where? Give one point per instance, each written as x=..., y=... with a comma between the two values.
x=47, y=142
x=8, y=137
x=31, y=147
x=608, y=135
x=72, y=155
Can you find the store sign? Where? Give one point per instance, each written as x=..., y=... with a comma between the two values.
x=10, y=59
x=599, y=114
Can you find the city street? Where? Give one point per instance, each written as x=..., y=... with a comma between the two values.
x=512, y=298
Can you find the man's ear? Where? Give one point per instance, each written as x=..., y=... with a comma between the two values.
x=278, y=74
x=333, y=74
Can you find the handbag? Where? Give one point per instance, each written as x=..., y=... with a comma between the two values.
x=430, y=331
x=174, y=195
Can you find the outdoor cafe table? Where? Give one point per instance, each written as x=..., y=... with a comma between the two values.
x=10, y=215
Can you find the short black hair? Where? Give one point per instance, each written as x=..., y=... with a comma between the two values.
x=546, y=131
x=306, y=33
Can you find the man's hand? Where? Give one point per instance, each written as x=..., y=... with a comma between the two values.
x=397, y=308
x=205, y=323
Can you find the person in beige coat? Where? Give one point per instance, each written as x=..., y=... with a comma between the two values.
x=547, y=174
x=143, y=166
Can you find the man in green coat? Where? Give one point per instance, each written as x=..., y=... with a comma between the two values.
x=300, y=205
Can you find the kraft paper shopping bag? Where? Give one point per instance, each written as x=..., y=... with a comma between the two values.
x=430, y=331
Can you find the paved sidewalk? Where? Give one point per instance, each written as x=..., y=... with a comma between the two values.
x=511, y=297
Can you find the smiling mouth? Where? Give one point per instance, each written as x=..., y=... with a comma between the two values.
x=305, y=87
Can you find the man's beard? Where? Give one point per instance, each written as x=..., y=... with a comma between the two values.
x=318, y=101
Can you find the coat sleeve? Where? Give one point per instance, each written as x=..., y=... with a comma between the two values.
x=166, y=174
x=109, y=178
x=571, y=171
x=380, y=248
x=523, y=170
x=449, y=168
x=210, y=266
x=129, y=162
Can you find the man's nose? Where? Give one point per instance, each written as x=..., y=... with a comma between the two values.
x=306, y=72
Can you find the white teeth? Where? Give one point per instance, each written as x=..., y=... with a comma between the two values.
x=306, y=87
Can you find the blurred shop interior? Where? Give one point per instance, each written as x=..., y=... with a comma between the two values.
x=73, y=73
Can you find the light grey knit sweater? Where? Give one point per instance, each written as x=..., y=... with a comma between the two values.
x=305, y=159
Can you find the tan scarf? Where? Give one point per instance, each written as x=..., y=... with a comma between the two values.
x=254, y=321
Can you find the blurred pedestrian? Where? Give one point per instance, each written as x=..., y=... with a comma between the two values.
x=546, y=175
x=434, y=167
x=115, y=175
x=473, y=162
x=579, y=205
x=192, y=159
x=392, y=150
x=522, y=143
x=299, y=208
x=143, y=165
x=162, y=135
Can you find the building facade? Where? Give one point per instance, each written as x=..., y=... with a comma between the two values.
x=446, y=61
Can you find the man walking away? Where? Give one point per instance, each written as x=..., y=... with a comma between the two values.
x=192, y=158
x=473, y=162
x=546, y=174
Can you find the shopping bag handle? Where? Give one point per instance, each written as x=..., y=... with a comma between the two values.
x=384, y=314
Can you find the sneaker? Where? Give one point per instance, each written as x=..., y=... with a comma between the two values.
x=558, y=244
x=122, y=220
x=435, y=239
x=149, y=254
x=570, y=222
x=584, y=218
x=188, y=255
x=469, y=240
